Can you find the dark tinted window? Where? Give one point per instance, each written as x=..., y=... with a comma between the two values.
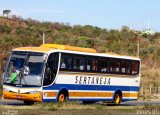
x=75, y=62
x=91, y=64
x=125, y=67
x=135, y=67
x=79, y=63
x=66, y=61
x=103, y=64
x=115, y=65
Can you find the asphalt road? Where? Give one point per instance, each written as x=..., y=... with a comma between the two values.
x=129, y=103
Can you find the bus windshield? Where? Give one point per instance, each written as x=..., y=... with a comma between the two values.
x=24, y=69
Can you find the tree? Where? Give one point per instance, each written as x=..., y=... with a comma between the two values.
x=6, y=12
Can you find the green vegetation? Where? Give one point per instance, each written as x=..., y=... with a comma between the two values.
x=150, y=107
x=17, y=32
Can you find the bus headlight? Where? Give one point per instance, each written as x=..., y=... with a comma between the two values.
x=34, y=92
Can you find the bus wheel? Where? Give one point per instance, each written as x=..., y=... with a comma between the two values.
x=117, y=98
x=28, y=102
x=62, y=97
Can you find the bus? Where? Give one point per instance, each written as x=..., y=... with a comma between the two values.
x=56, y=73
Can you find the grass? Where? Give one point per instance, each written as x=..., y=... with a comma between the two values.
x=69, y=105
x=70, y=108
x=66, y=105
x=76, y=108
x=149, y=78
x=150, y=107
x=77, y=112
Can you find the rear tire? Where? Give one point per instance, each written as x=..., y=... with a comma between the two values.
x=117, y=99
x=28, y=102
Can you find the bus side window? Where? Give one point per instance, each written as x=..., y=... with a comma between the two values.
x=66, y=62
x=128, y=67
x=103, y=65
x=63, y=65
x=91, y=64
x=79, y=63
x=115, y=65
x=135, y=67
x=125, y=67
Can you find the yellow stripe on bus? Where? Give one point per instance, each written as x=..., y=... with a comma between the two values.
x=39, y=49
x=20, y=96
x=70, y=48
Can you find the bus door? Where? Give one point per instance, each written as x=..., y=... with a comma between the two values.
x=50, y=73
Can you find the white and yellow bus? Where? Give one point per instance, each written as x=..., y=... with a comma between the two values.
x=55, y=72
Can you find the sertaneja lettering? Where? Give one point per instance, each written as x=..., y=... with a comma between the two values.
x=92, y=80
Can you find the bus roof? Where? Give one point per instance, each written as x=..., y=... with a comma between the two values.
x=46, y=48
x=36, y=49
x=71, y=48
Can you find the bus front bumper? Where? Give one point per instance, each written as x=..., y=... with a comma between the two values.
x=21, y=96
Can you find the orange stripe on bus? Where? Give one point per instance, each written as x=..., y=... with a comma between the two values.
x=50, y=94
x=99, y=94
x=130, y=94
x=90, y=94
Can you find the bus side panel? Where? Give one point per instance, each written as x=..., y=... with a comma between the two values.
x=97, y=87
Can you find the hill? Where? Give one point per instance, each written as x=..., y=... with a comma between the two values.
x=16, y=32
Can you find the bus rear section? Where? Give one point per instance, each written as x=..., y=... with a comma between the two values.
x=91, y=78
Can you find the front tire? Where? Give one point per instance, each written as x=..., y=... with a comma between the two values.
x=62, y=97
x=28, y=102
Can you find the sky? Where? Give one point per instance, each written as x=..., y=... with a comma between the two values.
x=109, y=14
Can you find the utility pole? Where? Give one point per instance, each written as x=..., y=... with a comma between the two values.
x=43, y=38
x=137, y=40
x=138, y=47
